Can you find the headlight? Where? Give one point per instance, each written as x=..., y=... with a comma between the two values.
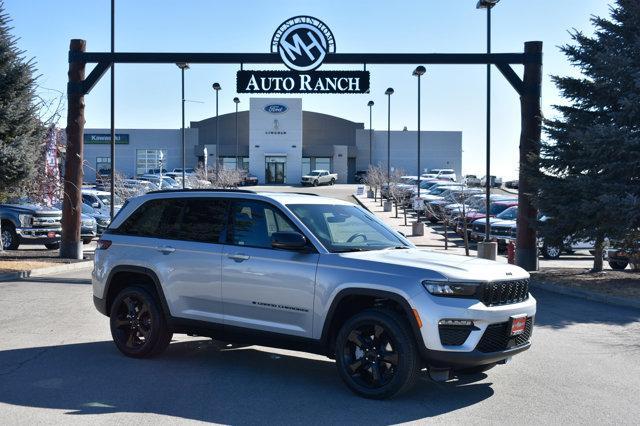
x=103, y=222
x=25, y=219
x=88, y=222
x=445, y=288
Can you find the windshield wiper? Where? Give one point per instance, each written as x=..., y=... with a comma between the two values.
x=350, y=249
x=397, y=248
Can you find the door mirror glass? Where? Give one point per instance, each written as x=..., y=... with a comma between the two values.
x=287, y=240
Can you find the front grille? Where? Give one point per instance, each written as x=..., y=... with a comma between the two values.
x=501, y=231
x=46, y=221
x=454, y=335
x=496, y=337
x=478, y=228
x=504, y=292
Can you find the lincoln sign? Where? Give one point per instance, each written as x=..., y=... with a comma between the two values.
x=303, y=42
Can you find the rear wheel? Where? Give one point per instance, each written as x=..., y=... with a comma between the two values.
x=52, y=246
x=376, y=354
x=87, y=240
x=138, y=327
x=9, y=238
x=333, y=182
x=618, y=265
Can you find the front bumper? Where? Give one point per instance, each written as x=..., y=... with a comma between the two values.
x=101, y=305
x=49, y=234
x=432, y=309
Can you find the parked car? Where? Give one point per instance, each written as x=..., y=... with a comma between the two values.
x=513, y=184
x=102, y=220
x=88, y=224
x=157, y=171
x=249, y=180
x=471, y=180
x=477, y=220
x=187, y=171
x=360, y=176
x=307, y=273
x=101, y=200
x=446, y=174
x=136, y=187
x=502, y=227
x=319, y=177
x=164, y=182
x=494, y=182
x=25, y=222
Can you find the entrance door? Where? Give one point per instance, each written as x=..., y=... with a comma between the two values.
x=275, y=171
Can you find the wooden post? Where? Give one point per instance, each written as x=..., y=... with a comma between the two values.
x=531, y=116
x=71, y=246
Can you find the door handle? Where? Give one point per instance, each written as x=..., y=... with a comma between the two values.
x=238, y=257
x=166, y=249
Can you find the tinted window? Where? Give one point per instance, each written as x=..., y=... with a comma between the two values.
x=253, y=222
x=189, y=219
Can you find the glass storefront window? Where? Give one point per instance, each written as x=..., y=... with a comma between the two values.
x=306, y=165
x=323, y=163
x=149, y=159
x=229, y=163
x=103, y=166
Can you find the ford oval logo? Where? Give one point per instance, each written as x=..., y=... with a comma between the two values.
x=275, y=108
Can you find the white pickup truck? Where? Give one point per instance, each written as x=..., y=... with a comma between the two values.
x=319, y=177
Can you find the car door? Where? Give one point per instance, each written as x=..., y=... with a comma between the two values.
x=264, y=288
x=178, y=238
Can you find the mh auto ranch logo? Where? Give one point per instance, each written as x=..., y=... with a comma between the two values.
x=303, y=43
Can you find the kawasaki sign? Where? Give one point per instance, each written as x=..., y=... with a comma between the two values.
x=303, y=42
x=105, y=138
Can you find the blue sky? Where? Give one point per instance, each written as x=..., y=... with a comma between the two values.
x=148, y=96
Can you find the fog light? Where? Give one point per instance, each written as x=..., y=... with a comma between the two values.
x=455, y=322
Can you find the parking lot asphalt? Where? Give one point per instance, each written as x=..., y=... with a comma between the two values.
x=58, y=365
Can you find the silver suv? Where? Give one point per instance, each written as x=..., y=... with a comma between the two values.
x=307, y=273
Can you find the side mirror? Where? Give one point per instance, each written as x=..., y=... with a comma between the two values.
x=95, y=205
x=288, y=241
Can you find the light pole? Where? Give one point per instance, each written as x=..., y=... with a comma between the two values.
x=183, y=66
x=370, y=105
x=387, y=204
x=236, y=101
x=419, y=227
x=488, y=251
x=216, y=88
x=112, y=184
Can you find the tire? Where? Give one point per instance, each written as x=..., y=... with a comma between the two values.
x=363, y=346
x=333, y=182
x=315, y=183
x=52, y=246
x=550, y=252
x=618, y=265
x=476, y=370
x=136, y=314
x=87, y=240
x=433, y=220
x=9, y=239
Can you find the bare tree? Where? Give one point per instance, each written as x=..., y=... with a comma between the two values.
x=398, y=194
x=227, y=178
x=375, y=179
x=455, y=203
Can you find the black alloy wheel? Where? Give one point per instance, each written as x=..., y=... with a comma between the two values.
x=618, y=265
x=376, y=354
x=315, y=182
x=138, y=327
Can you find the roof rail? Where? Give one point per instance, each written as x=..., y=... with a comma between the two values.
x=164, y=191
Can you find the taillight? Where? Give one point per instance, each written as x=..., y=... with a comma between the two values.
x=103, y=244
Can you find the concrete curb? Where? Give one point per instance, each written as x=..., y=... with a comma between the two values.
x=40, y=272
x=586, y=294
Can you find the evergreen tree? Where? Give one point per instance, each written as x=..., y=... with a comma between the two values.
x=20, y=128
x=590, y=168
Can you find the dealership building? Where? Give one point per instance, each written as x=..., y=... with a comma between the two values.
x=275, y=140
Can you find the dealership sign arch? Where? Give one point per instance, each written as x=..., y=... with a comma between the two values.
x=307, y=43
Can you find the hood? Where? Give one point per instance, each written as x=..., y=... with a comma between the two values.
x=500, y=222
x=450, y=266
x=33, y=209
x=475, y=215
x=482, y=219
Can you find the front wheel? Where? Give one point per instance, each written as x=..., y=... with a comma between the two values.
x=376, y=354
x=333, y=182
x=618, y=265
x=550, y=252
x=9, y=238
x=315, y=183
x=138, y=327
x=52, y=246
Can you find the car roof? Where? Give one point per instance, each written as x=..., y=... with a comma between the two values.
x=94, y=192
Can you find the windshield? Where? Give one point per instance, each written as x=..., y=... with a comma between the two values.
x=314, y=173
x=106, y=199
x=343, y=228
x=509, y=214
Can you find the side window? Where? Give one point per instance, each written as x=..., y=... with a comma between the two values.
x=253, y=223
x=203, y=219
x=149, y=220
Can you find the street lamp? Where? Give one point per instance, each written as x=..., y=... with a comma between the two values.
x=370, y=105
x=488, y=4
x=236, y=101
x=419, y=72
x=216, y=87
x=183, y=66
x=388, y=92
